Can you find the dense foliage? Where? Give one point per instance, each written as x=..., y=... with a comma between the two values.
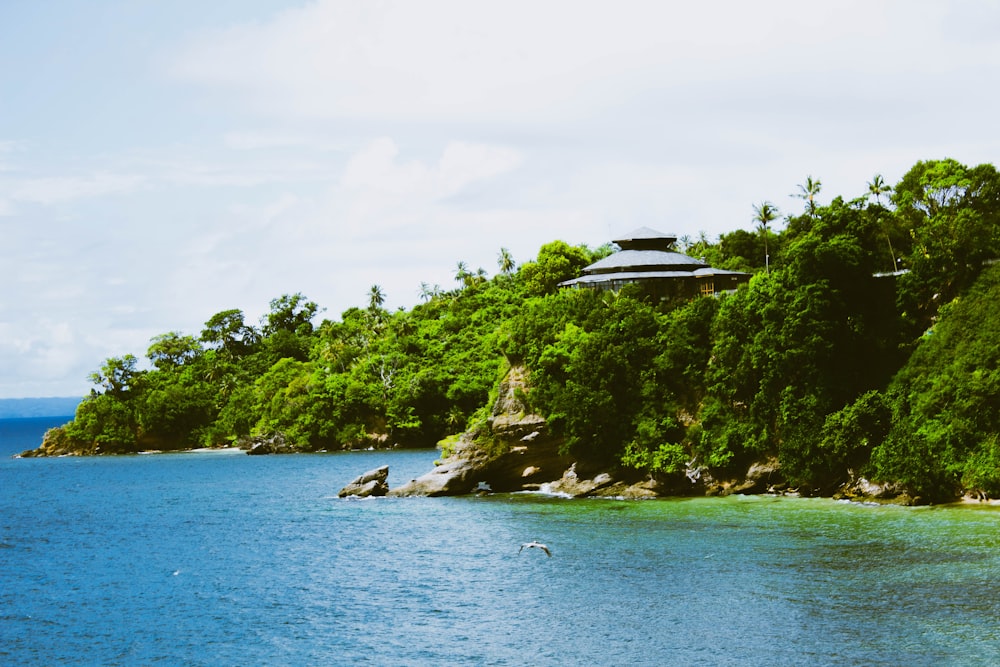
x=865, y=344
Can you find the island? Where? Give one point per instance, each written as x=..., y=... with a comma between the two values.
x=854, y=352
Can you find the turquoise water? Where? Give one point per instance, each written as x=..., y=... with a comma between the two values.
x=226, y=559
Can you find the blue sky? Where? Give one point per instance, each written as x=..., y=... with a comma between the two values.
x=163, y=161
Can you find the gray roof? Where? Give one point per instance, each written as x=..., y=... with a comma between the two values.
x=645, y=260
x=632, y=276
x=647, y=238
x=645, y=254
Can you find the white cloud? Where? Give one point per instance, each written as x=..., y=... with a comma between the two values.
x=534, y=59
x=376, y=168
x=263, y=139
x=341, y=143
x=57, y=189
x=43, y=352
x=6, y=146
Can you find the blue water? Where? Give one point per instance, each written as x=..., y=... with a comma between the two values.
x=227, y=559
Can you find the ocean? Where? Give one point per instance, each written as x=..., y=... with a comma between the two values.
x=226, y=559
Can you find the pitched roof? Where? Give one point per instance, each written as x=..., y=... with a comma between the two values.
x=645, y=260
x=636, y=276
x=645, y=254
x=646, y=233
x=646, y=237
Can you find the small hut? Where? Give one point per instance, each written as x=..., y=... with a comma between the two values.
x=647, y=257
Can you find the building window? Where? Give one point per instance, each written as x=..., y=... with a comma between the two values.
x=707, y=288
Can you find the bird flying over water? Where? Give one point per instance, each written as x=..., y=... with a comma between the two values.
x=535, y=545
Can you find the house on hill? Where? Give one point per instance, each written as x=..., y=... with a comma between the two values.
x=647, y=257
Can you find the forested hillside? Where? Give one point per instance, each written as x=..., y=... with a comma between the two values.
x=865, y=344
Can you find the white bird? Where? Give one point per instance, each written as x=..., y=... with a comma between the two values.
x=535, y=545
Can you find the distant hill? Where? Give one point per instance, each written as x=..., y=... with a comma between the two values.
x=60, y=406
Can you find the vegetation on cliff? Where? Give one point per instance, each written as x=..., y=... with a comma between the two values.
x=865, y=345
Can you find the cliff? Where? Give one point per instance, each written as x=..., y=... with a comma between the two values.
x=514, y=450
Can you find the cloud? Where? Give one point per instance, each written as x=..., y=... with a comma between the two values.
x=41, y=353
x=450, y=59
x=376, y=168
x=393, y=216
x=7, y=146
x=544, y=59
x=344, y=143
x=263, y=139
x=58, y=189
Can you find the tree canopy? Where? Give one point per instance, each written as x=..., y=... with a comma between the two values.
x=865, y=344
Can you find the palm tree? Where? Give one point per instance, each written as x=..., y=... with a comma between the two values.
x=809, y=190
x=876, y=188
x=376, y=297
x=764, y=213
x=505, y=261
x=462, y=273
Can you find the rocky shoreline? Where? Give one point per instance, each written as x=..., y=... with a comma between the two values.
x=515, y=451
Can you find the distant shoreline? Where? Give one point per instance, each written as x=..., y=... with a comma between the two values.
x=13, y=417
x=29, y=408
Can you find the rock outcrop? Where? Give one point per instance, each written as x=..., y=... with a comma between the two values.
x=512, y=451
x=515, y=451
x=372, y=483
x=864, y=490
x=761, y=477
x=56, y=442
x=274, y=443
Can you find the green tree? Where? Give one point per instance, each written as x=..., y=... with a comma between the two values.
x=808, y=192
x=172, y=349
x=176, y=410
x=945, y=425
x=462, y=275
x=953, y=216
x=118, y=376
x=291, y=313
x=505, y=262
x=764, y=214
x=105, y=423
x=287, y=330
x=376, y=298
x=557, y=261
x=740, y=250
x=876, y=188
x=227, y=331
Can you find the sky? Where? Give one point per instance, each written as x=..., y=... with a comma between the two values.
x=161, y=162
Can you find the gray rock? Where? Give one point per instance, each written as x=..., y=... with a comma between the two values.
x=273, y=443
x=860, y=488
x=641, y=490
x=453, y=477
x=761, y=477
x=259, y=449
x=372, y=483
x=573, y=484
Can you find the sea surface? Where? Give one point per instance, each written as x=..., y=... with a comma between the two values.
x=226, y=559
